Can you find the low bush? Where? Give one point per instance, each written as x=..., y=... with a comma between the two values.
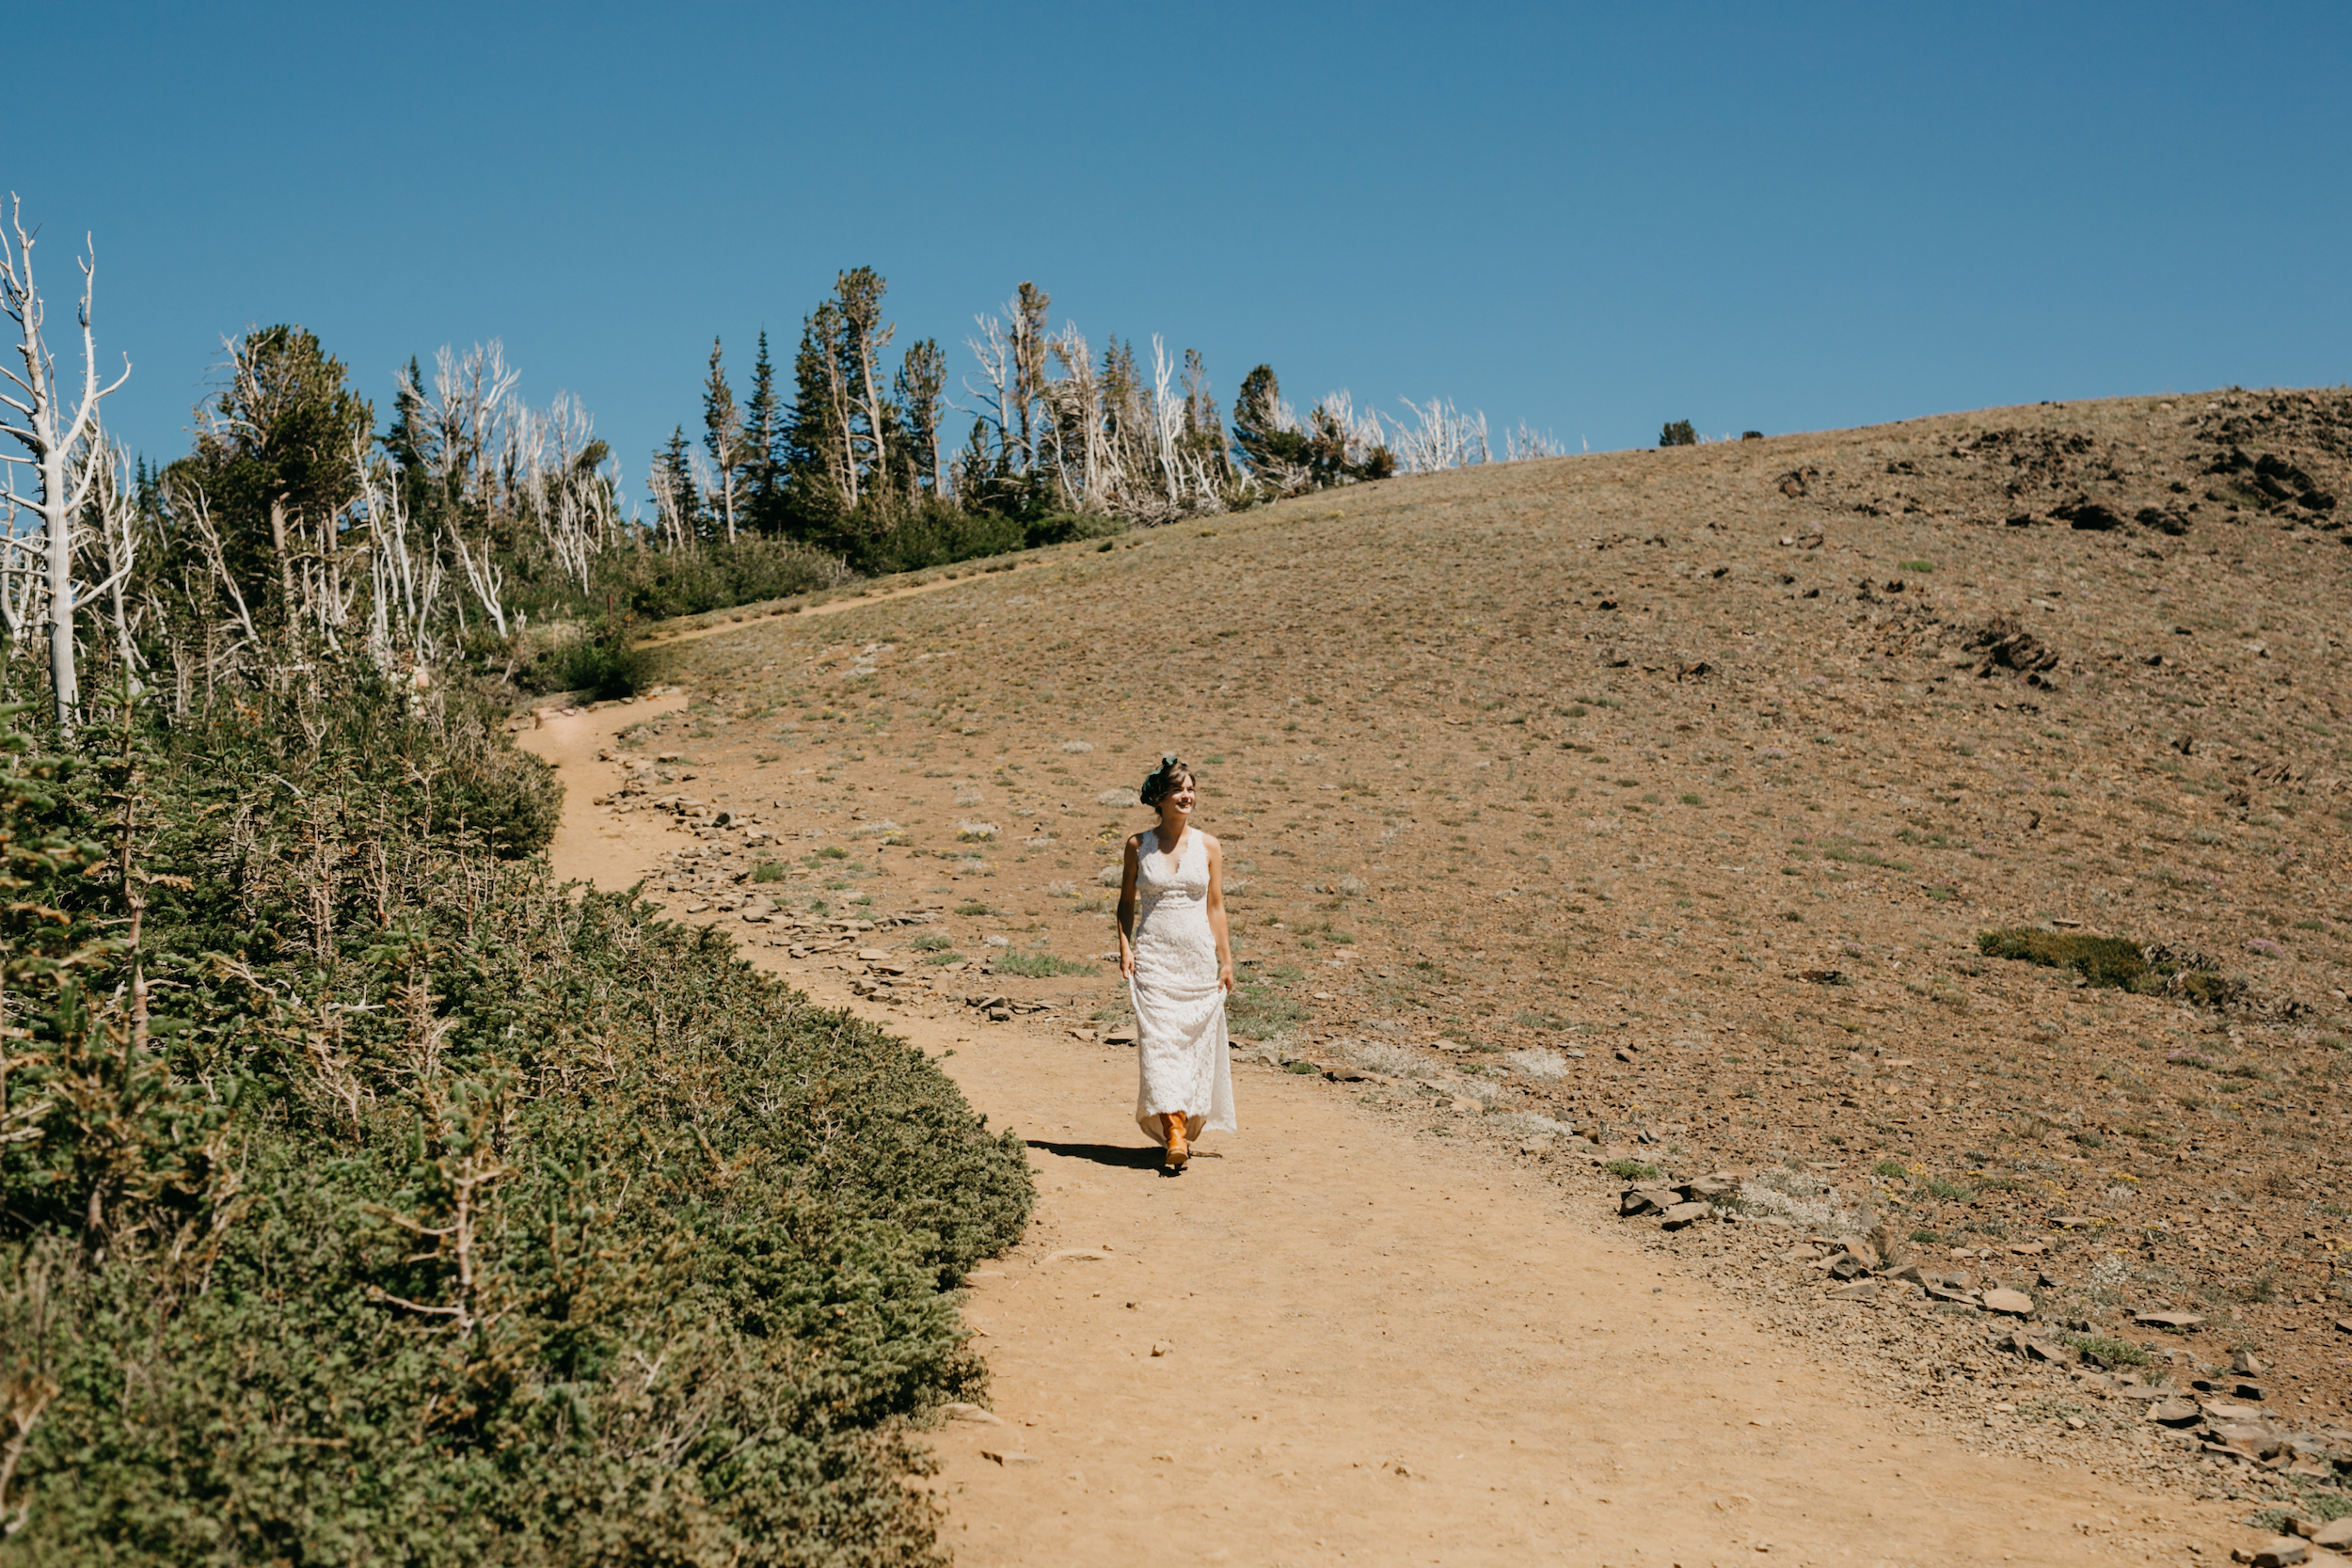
x=1039, y=966
x=2102, y=960
x=2118, y=963
x=366, y=1197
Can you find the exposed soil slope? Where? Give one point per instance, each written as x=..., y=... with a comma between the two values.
x=1650, y=806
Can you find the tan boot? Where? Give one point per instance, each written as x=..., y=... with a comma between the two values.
x=1177, y=1151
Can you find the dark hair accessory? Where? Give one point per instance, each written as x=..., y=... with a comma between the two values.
x=1161, y=783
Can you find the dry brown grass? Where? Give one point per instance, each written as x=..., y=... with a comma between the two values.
x=1650, y=746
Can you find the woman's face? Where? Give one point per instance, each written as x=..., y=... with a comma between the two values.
x=1180, y=799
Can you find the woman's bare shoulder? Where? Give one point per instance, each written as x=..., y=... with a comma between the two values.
x=1135, y=841
x=1211, y=840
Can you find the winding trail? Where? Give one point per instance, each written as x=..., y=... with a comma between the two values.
x=1333, y=1341
x=730, y=621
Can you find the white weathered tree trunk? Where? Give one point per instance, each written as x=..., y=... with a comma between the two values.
x=61, y=448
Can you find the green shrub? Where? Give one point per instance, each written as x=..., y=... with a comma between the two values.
x=436, y=1216
x=1679, y=434
x=1038, y=966
x=1633, y=1171
x=601, y=661
x=2102, y=960
x=718, y=575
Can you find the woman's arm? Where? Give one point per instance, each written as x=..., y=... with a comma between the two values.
x=1126, y=915
x=1217, y=914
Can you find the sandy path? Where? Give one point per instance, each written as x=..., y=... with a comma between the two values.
x=831, y=607
x=1377, y=1348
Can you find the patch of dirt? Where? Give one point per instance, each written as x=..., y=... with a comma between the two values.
x=1545, y=789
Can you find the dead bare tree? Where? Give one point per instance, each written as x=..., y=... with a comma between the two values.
x=60, y=445
x=1527, y=442
x=114, y=508
x=405, y=574
x=1441, y=437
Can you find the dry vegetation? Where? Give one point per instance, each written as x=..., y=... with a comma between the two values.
x=1672, y=791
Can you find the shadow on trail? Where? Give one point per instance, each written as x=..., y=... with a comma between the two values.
x=1121, y=1156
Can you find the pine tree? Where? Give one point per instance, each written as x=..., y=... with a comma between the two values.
x=763, y=433
x=675, y=497
x=818, y=473
x=722, y=434
x=921, y=388
x=1028, y=370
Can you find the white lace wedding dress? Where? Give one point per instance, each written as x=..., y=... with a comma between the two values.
x=1180, y=1052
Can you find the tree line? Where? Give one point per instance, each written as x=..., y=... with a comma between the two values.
x=861, y=449
x=474, y=528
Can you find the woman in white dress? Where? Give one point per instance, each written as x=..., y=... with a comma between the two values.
x=1178, y=958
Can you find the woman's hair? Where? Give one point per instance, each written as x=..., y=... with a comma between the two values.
x=1161, y=783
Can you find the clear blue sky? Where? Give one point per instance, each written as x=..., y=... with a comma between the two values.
x=1595, y=219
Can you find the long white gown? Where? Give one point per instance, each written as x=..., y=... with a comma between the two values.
x=1181, y=1057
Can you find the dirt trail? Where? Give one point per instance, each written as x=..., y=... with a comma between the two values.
x=1334, y=1341
x=691, y=633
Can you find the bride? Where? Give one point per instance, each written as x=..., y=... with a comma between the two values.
x=1178, y=959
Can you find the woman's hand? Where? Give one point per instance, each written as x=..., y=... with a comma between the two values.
x=1225, y=975
x=1127, y=959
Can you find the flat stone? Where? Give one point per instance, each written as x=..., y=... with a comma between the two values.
x=1846, y=1266
x=1909, y=1271
x=1681, y=1215
x=2336, y=1534
x=2179, y=1322
x=1722, y=1184
x=2244, y=1365
x=2015, y=1303
x=2175, y=1413
x=2226, y=1410
x=2280, y=1552
x=1077, y=1255
x=871, y=956
x=975, y=1414
x=1007, y=1458
x=1636, y=1202
x=1861, y=1289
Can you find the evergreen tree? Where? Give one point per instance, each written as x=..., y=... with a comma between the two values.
x=273, y=461
x=405, y=442
x=674, y=493
x=842, y=430
x=722, y=434
x=1259, y=433
x=1030, y=304
x=763, y=433
x=817, y=470
x=921, y=391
